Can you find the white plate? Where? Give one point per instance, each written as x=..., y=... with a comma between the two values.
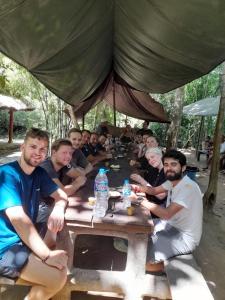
x=115, y=167
x=114, y=194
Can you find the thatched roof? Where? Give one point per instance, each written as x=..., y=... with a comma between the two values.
x=8, y=102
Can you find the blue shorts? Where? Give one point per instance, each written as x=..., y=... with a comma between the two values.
x=16, y=257
x=13, y=260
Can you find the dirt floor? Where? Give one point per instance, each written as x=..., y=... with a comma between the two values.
x=210, y=255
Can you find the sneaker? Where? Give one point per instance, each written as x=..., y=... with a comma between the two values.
x=120, y=244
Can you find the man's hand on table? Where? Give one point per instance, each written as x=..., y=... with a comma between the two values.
x=74, y=200
x=145, y=203
x=139, y=179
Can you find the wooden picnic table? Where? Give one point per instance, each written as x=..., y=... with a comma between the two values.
x=133, y=282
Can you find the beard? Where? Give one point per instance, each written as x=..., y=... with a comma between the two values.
x=172, y=176
x=31, y=163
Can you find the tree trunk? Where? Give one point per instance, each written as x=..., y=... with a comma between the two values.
x=210, y=195
x=72, y=116
x=97, y=108
x=176, y=114
x=10, y=126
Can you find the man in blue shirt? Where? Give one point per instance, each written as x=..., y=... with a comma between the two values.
x=23, y=253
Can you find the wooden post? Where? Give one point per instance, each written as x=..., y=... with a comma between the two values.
x=10, y=126
x=114, y=104
x=210, y=195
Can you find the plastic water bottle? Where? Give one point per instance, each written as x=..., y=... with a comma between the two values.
x=101, y=189
x=126, y=194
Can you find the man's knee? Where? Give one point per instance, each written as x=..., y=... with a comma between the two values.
x=58, y=280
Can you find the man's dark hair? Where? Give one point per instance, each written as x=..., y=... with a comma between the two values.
x=60, y=142
x=85, y=130
x=74, y=130
x=148, y=131
x=94, y=133
x=36, y=133
x=177, y=155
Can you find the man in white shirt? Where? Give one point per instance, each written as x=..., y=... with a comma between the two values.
x=182, y=216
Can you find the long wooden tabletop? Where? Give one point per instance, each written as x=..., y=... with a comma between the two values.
x=81, y=212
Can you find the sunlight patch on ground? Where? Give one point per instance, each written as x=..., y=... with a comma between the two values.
x=14, y=154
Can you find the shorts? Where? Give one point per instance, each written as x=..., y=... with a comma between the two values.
x=166, y=244
x=13, y=260
x=16, y=257
x=44, y=212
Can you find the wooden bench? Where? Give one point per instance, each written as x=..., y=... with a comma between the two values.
x=6, y=282
x=186, y=280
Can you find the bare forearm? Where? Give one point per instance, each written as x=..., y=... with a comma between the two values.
x=156, y=209
x=153, y=190
x=88, y=169
x=29, y=235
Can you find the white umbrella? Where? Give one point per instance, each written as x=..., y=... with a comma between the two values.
x=205, y=107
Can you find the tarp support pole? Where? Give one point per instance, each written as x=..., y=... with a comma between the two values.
x=83, y=121
x=114, y=104
x=199, y=135
x=10, y=126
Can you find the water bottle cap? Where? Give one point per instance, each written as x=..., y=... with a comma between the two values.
x=126, y=181
x=102, y=171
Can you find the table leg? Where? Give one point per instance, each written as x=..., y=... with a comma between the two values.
x=66, y=241
x=135, y=268
x=136, y=254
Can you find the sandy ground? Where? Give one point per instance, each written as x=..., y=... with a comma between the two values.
x=210, y=255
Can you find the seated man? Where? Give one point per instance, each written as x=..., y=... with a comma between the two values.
x=103, y=128
x=78, y=158
x=182, y=229
x=58, y=166
x=91, y=152
x=127, y=135
x=23, y=253
x=101, y=143
x=222, y=153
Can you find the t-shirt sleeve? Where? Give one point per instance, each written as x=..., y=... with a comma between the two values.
x=48, y=186
x=47, y=166
x=9, y=192
x=82, y=160
x=167, y=185
x=183, y=196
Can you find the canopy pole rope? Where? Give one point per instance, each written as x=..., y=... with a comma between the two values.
x=114, y=104
x=10, y=126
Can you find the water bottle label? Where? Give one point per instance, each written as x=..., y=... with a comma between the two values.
x=101, y=187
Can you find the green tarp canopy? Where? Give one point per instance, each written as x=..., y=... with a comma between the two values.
x=154, y=46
